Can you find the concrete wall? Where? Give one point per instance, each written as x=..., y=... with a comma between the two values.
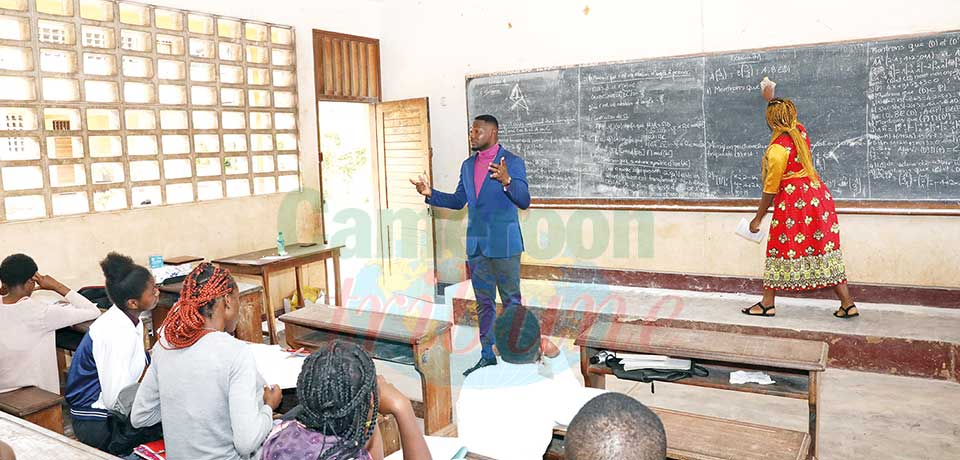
x=428, y=46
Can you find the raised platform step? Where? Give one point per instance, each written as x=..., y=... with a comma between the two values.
x=891, y=339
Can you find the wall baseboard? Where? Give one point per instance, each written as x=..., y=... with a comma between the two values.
x=867, y=293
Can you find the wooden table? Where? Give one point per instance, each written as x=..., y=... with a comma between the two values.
x=32, y=442
x=34, y=405
x=263, y=263
x=248, y=327
x=421, y=343
x=795, y=365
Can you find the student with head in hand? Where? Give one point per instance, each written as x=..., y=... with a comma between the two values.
x=28, y=325
x=111, y=355
x=203, y=383
x=340, y=395
x=614, y=426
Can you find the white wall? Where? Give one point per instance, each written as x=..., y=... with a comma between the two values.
x=429, y=46
x=69, y=247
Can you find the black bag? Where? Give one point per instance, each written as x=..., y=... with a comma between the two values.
x=97, y=295
x=124, y=437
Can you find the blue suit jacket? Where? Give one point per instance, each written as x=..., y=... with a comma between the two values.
x=493, y=224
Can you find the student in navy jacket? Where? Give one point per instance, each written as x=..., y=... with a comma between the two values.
x=493, y=185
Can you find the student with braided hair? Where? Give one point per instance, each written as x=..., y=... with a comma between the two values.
x=203, y=383
x=803, y=251
x=340, y=394
x=111, y=355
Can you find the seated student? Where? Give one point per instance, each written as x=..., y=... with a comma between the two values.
x=6, y=452
x=203, y=383
x=339, y=391
x=28, y=326
x=508, y=411
x=111, y=355
x=614, y=426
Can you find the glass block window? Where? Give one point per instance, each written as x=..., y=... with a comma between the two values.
x=107, y=105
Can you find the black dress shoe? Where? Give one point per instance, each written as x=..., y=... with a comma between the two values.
x=484, y=362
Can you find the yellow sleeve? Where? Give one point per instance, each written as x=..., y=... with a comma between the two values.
x=774, y=164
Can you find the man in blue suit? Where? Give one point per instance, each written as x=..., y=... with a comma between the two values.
x=493, y=185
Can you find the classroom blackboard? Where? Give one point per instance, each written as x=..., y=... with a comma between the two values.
x=883, y=115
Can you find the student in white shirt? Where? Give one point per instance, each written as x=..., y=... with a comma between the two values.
x=28, y=326
x=111, y=355
x=508, y=411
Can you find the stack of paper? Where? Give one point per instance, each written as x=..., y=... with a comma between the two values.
x=632, y=362
x=743, y=230
x=277, y=367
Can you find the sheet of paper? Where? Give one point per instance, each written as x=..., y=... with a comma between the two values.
x=574, y=400
x=741, y=377
x=440, y=448
x=743, y=230
x=276, y=366
x=274, y=257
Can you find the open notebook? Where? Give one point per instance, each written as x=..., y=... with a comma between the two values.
x=276, y=366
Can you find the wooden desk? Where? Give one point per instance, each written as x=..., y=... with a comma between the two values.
x=251, y=309
x=421, y=343
x=32, y=442
x=254, y=264
x=795, y=365
x=34, y=405
x=248, y=327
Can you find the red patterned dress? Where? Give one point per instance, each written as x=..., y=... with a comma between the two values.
x=803, y=250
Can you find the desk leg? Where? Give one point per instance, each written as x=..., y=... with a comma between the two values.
x=590, y=380
x=298, y=274
x=432, y=361
x=814, y=399
x=336, y=278
x=271, y=315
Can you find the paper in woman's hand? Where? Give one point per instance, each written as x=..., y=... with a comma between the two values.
x=743, y=230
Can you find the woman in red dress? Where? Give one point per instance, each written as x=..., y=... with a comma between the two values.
x=803, y=249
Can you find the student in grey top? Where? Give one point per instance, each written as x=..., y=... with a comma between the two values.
x=203, y=383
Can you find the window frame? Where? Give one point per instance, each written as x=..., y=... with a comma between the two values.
x=45, y=136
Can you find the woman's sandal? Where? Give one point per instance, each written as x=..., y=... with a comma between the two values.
x=764, y=311
x=844, y=312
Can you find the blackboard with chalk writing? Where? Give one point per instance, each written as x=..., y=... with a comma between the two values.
x=884, y=117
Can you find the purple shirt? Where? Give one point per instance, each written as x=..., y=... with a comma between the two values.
x=481, y=167
x=291, y=440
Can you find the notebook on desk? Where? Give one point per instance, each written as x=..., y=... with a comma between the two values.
x=155, y=450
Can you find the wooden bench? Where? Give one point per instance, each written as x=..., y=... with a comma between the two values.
x=697, y=437
x=34, y=405
x=795, y=365
x=421, y=343
x=32, y=442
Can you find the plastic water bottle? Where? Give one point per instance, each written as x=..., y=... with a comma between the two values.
x=281, y=250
